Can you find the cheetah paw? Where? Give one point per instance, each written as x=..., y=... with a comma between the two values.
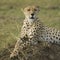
x=14, y=55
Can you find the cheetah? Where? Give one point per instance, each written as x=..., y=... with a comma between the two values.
x=34, y=31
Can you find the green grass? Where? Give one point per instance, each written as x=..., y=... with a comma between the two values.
x=11, y=17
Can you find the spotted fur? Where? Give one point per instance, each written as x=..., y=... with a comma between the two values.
x=33, y=31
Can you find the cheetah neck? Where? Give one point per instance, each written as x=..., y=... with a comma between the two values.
x=31, y=21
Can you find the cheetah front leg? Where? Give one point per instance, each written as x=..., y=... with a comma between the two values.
x=20, y=45
x=17, y=49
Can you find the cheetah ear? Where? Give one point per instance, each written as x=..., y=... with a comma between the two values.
x=22, y=9
x=38, y=7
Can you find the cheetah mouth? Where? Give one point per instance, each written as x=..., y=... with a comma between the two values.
x=32, y=17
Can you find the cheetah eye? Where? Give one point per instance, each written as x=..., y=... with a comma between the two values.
x=35, y=9
x=28, y=9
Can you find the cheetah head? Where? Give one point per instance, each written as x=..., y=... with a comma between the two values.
x=30, y=13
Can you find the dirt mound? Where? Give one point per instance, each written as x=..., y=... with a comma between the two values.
x=38, y=52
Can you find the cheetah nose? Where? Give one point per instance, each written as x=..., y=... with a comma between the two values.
x=32, y=14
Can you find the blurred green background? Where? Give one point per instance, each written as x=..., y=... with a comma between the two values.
x=11, y=17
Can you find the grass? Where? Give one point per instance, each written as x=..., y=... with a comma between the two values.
x=11, y=17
